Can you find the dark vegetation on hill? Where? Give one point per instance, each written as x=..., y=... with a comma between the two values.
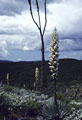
x=70, y=71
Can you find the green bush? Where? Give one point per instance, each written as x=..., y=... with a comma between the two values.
x=8, y=88
x=33, y=108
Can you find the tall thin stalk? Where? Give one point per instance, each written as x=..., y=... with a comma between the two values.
x=41, y=31
x=54, y=63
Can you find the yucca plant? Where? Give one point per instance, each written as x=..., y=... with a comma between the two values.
x=37, y=82
x=50, y=112
x=54, y=53
x=54, y=63
x=7, y=77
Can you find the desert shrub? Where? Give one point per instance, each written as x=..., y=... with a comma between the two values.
x=21, y=101
x=8, y=88
x=68, y=109
x=33, y=108
x=60, y=96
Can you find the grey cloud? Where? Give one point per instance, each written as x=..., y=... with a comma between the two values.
x=20, y=33
x=18, y=42
x=3, y=49
x=70, y=45
x=8, y=7
x=10, y=31
x=41, y=2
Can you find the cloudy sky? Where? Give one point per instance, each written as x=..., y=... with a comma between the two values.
x=19, y=36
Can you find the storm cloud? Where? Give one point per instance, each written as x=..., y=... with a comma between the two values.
x=18, y=32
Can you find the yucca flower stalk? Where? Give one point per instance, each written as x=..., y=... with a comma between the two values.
x=7, y=78
x=54, y=63
x=36, y=83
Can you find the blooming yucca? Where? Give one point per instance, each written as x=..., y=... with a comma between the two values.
x=54, y=52
x=54, y=62
x=36, y=83
x=7, y=77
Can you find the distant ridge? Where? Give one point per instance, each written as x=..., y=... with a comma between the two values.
x=70, y=59
x=23, y=72
x=64, y=59
x=2, y=61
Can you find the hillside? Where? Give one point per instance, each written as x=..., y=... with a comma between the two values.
x=70, y=71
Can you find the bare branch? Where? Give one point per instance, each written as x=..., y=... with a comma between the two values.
x=39, y=26
x=45, y=17
x=41, y=33
x=37, y=5
x=30, y=4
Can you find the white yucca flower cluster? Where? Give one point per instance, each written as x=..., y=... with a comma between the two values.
x=36, y=83
x=54, y=53
x=7, y=78
x=37, y=74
